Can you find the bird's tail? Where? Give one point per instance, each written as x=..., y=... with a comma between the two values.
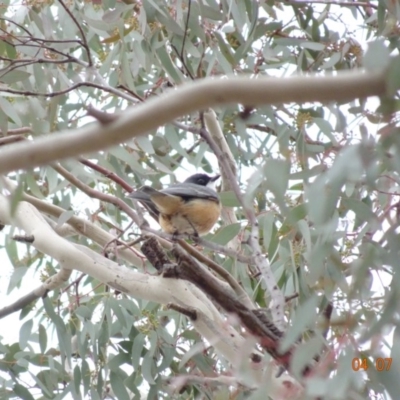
x=143, y=197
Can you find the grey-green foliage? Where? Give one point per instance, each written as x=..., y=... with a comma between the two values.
x=324, y=192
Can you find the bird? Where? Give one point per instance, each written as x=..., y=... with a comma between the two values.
x=190, y=207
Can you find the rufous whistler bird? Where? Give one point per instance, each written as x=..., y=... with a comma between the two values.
x=190, y=207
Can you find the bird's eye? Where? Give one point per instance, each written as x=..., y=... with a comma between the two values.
x=202, y=181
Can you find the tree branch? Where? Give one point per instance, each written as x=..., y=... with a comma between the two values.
x=187, y=98
x=51, y=283
x=79, y=225
x=303, y=3
x=209, y=323
x=83, y=36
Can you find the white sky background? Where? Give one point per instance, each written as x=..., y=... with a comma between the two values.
x=9, y=326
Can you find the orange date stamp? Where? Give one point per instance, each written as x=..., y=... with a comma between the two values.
x=381, y=364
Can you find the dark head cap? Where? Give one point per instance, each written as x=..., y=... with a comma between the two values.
x=201, y=179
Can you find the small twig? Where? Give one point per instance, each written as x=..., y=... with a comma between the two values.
x=11, y=139
x=60, y=92
x=327, y=313
x=179, y=159
x=116, y=238
x=131, y=92
x=107, y=173
x=96, y=194
x=23, y=301
x=18, y=131
x=291, y=297
x=40, y=44
x=191, y=313
x=182, y=57
x=83, y=36
x=331, y=2
x=24, y=239
x=51, y=283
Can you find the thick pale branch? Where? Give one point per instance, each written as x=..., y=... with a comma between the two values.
x=188, y=98
x=81, y=226
x=210, y=324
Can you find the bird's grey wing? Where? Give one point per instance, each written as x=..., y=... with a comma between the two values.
x=189, y=191
x=142, y=195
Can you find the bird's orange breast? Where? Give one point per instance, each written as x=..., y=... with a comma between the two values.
x=194, y=216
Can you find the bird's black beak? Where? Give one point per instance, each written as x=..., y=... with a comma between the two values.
x=214, y=178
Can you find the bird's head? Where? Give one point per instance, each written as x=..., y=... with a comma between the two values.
x=202, y=179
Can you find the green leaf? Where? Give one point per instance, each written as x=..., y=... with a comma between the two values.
x=190, y=354
x=170, y=24
x=84, y=312
x=168, y=353
x=126, y=76
x=77, y=379
x=345, y=378
x=377, y=56
x=64, y=337
x=304, y=318
x=224, y=49
x=332, y=61
x=305, y=352
x=296, y=214
x=363, y=211
x=326, y=128
x=22, y=392
x=118, y=387
x=166, y=62
x=148, y=364
x=42, y=338
x=118, y=311
x=152, y=4
x=137, y=350
x=312, y=46
x=212, y=13
x=266, y=222
x=52, y=179
x=85, y=371
x=118, y=361
x=15, y=76
x=17, y=274
x=226, y=234
x=307, y=173
x=25, y=333
x=145, y=144
x=64, y=217
x=393, y=77
x=32, y=184
x=276, y=173
x=305, y=231
x=376, y=328
x=10, y=111
x=229, y=199
x=11, y=52
x=122, y=154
